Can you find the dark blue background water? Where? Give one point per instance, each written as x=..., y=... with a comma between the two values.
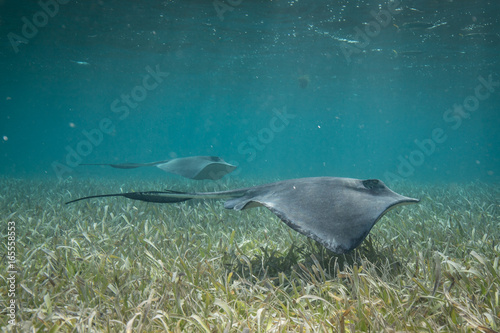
x=234, y=76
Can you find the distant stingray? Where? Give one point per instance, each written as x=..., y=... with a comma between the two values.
x=194, y=167
x=337, y=212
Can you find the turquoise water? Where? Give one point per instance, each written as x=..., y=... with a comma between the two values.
x=362, y=89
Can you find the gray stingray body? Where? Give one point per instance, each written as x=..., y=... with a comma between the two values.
x=337, y=212
x=194, y=167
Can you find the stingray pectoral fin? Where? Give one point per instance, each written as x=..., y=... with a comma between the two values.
x=326, y=231
x=290, y=218
x=306, y=217
x=338, y=228
x=242, y=203
x=198, y=167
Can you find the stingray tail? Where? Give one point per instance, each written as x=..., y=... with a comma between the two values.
x=127, y=165
x=148, y=196
x=96, y=196
x=165, y=196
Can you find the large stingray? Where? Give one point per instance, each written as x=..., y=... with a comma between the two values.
x=337, y=212
x=194, y=167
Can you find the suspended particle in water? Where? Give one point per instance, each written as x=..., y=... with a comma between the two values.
x=304, y=81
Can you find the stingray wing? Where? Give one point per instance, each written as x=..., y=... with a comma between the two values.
x=198, y=167
x=337, y=212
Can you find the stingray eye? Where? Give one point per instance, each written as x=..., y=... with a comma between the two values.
x=372, y=184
